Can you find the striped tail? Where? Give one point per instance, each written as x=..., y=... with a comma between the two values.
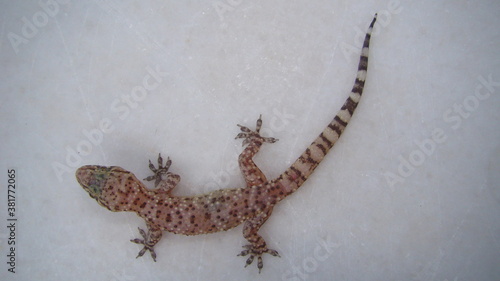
x=299, y=171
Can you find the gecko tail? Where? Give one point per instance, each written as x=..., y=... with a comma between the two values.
x=300, y=170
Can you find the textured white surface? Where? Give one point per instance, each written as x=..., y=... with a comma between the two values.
x=75, y=71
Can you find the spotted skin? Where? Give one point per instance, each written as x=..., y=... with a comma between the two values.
x=119, y=190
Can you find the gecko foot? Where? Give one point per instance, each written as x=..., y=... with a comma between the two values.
x=253, y=252
x=250, y=135
x=158, y=173
x=148, y=246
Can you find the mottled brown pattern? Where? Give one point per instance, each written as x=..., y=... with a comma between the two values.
x=119, y=190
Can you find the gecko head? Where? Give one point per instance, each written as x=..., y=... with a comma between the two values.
x=107, y=185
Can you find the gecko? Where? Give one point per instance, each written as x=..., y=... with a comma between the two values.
x=119, y=190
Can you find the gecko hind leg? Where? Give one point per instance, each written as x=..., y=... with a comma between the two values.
x=251, y=136
x=257, y=246
x=252, y=174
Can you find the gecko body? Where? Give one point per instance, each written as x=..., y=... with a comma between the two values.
x=119, y=190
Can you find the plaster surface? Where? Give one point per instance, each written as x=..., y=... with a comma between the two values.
x=410, y=192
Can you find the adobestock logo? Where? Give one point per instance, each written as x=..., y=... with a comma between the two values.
x=455, y=115
x=122, y=106
x=31, y=26
x=222, y=7
x=322, y=251
x=384, y=17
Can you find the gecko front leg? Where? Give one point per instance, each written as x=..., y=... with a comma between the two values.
x=149, y=240
x=169, y=182
x=252, y=174
x=257, y=245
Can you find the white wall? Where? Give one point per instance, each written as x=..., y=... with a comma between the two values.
x=410, y=192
